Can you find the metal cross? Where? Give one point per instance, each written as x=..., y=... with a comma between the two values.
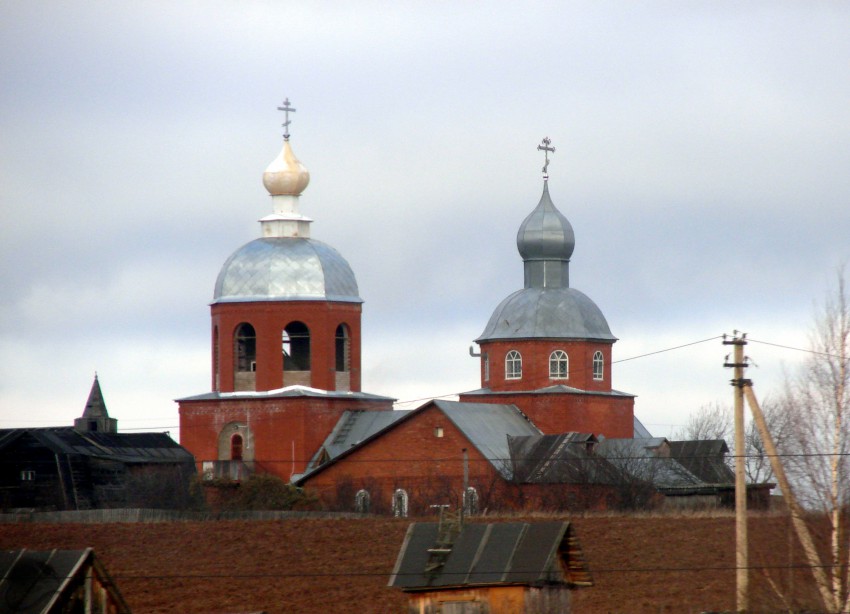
x=545, y=147
x=287, y=109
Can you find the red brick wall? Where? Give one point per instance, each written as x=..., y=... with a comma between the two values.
x=277, y=425
x=430, y=469
x=555, y=413
x=535, y=364
x=269, y=319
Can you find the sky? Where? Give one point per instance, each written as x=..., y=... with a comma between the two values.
x=702, y=156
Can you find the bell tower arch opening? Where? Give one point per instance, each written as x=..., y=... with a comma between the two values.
x=295, y=343
x=245, y=357
x=342, y=359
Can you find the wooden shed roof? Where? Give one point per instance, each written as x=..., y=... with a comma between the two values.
x=517, y=553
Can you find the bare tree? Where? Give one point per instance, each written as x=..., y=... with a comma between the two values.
x=714, y=421
x=818, y=454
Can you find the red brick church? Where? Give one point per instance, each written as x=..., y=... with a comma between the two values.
x=286, y=394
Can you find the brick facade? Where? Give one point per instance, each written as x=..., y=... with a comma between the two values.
x=280, y=435
x=268, y=320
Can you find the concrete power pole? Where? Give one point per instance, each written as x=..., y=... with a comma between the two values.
x=741, y=545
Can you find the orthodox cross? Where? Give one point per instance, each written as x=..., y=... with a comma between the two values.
x=545, y=147
x=287, y=109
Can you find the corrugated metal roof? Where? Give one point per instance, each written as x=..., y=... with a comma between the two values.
x=560, y=459
x=487, y=426
x=287, y=392
x=639, y=458
x=124, y=447
x=33, y=582
x=705, y=458
x=492, y=554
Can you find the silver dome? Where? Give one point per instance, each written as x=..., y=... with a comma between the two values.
x=546, y=233
x=547, y=313
x=286, y=269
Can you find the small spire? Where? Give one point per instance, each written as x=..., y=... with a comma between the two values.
x=546, y=148
x=287, y=109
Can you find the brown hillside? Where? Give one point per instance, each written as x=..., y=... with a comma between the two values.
x=640, y=564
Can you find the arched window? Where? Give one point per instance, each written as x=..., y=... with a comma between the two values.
x=598, y=365
x=246, y=348
x=513, y=365
x=295, y=340
x=236, y=447
x=470, y=502
x=343, y=348
x=485, y=358
x=362, y=501
x=400, y=503
x=559, y=365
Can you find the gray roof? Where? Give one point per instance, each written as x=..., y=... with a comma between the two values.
x=488, y=426
x=131, y=448
x=705, y=458
x=640, y=430
x=33, y=582
x=287, y=392
x=560, y=459
x=286, y=269
x=547, y=313
x=353, y=427
x=95, y=406
x=641, y=459
x=556, y=389
x=533, y=554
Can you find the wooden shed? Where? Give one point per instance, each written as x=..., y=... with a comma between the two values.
x=57, y=581
x=490, y=568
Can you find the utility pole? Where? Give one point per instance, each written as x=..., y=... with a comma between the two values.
x=741, y=547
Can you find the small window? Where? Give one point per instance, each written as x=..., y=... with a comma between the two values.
x=598, y=366
x=236, y=447
x=559, y=365
x=486, y=359
x=27, y=475
x=513, y=365
x=362, y=502
x=438, y=431
x=470, y=502
x=400, y=503
x=342, y=347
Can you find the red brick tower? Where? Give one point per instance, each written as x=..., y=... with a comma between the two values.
x=547, y=347
x=285, y=343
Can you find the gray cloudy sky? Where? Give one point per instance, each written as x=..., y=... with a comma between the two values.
x=702, y=157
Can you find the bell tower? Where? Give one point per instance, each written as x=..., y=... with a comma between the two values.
x=286, y=309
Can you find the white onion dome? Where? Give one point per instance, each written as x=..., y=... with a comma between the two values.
x=286, y=176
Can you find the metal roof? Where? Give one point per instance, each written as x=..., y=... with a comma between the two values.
x=33, y=582
x=546, y=233
x=547, y=313
x=487, y=426
x=531, y=554
x=705, y=458
x=143, y=448
x=640, y=459
x=556, y=389
x=287, y=392
x=353, y=427
x=560, y=459
x=286, y=269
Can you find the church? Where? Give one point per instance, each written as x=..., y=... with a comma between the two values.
x=286, y=395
